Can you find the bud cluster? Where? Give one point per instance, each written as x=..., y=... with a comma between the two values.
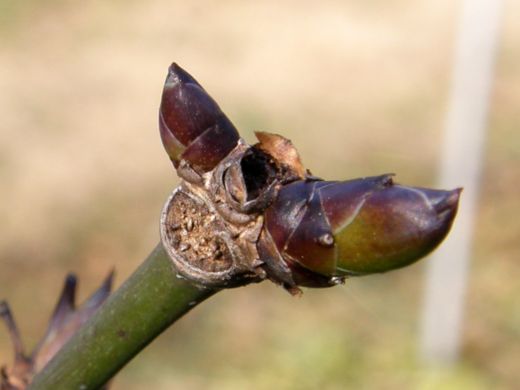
x=245, y=213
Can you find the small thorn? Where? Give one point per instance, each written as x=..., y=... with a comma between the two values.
x=4, y=308
x=7, y=317
x=102, y=292
x=66, y=302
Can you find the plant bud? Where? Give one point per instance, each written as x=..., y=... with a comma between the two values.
x=192, y=126
x=355, y=227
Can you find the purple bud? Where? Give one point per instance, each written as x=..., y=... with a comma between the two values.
x=191, y=124
x=362, y=226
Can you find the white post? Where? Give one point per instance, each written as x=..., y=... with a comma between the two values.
x=463, y=144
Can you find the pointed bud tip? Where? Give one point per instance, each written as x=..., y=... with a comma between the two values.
x=71, y=280
x=177, y=75
x=4, y=308
x=69, y=289
x=456, y=192
x=447, y=202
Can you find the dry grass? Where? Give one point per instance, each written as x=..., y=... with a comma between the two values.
x=360, y=87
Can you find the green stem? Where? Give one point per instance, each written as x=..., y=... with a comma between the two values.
x=152, y=299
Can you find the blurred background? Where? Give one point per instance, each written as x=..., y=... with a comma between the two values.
x=361, y=88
